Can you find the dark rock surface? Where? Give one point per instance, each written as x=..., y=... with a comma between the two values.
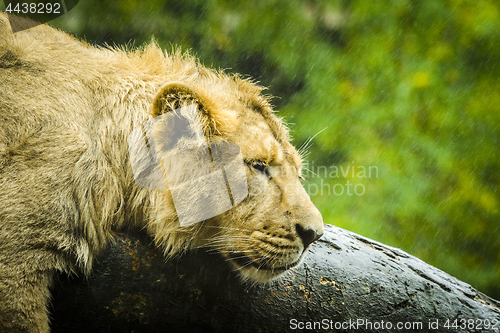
x=346, y=283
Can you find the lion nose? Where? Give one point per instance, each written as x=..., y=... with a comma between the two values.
x=308, y=235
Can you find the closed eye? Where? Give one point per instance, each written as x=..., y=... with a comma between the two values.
x=261, y=167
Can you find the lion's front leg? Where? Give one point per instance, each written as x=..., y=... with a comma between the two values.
x=23, y=299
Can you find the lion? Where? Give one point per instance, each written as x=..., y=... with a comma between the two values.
x=66, y=183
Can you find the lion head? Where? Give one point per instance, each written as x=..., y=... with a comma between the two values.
x=268, y=232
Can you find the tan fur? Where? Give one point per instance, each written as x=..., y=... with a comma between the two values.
x=66, y=184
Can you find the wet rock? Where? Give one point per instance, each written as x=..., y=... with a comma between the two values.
x=346, y=283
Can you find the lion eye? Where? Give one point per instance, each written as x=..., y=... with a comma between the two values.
x=262, y=167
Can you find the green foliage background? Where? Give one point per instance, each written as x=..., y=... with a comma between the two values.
x=410, y=87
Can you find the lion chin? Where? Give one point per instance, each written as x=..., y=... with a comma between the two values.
x=251, y=271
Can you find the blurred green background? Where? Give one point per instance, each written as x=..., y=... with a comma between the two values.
x=406, y=89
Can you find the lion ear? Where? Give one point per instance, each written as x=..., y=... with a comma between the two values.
x=175, y=95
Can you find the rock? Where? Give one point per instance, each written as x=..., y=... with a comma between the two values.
x=346, y=283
